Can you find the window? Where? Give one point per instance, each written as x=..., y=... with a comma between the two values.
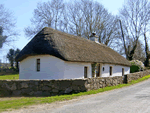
x=85, y=72
x=110, y=71
x=103, y=69
x=38, y=64
x=122, y=71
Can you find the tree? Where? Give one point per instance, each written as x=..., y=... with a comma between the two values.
x=2, y=38
x=132, y=19
x=16, y=62
x=10, y=56
x=7, y=25
x=139, y=52
x=86, y=16
x=47, y=14
x=79, y=18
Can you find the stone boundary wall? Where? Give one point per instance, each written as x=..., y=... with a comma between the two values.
x=54, y=87
x=134, y=76
x=59, y=87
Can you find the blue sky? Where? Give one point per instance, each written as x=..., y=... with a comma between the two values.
x=23, y=12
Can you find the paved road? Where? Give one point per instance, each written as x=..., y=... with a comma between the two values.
x=132, y=99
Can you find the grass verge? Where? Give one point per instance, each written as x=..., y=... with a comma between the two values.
x=15, y=103
x=9, y=77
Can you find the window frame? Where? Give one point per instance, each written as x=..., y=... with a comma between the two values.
x=38, y=64
x=86, y=76
x=110, y=70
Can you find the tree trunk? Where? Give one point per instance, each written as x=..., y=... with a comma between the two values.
x=146, y=51
x=124, y=43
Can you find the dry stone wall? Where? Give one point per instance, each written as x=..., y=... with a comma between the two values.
x=134, y=76
x=59, y=87
x=54, y=87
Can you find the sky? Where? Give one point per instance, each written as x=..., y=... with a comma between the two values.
x=23, y=12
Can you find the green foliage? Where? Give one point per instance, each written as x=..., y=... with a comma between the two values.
x=134, y=68
x=11, y=57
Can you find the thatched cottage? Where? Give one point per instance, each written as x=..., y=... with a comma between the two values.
x=52, y=54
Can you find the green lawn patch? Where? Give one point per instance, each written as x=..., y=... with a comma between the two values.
x=9, y=77
x=15, y=103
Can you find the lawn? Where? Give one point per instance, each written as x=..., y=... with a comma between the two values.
x=18, y=102
x=9, y=77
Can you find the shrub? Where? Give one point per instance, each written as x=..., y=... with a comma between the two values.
x=136, y=66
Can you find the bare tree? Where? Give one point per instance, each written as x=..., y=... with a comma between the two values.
x=139, y=52
x=132, y=20
x=47, y=14
x=86, y=16
x=79, y=18
x=7, y=25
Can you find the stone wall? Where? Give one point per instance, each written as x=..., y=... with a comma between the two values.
x=54, y=87
x=134, y=76
x=59, y=87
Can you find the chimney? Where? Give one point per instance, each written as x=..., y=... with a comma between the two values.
x=94, y=38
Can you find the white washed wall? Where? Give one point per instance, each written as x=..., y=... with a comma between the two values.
x=116, y=70
x=51, y=68
x=76, y=70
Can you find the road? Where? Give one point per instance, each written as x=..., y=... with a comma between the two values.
x=131, y=99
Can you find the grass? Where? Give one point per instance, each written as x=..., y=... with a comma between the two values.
x=9, y=77
x=15, y=103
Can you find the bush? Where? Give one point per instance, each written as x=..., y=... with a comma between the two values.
x=136, y=66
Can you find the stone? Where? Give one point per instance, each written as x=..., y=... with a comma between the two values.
x=16, y=93
x=88, y=86
x=79, y=82
x=31, y=93
x=13, y=87
x=68, y=90
x=95, y=86
x=46, y=88
x=55, y=90
x=25, y=91
x=24, y=85
x=5, y=85
x=46, y=93
x=38, y=93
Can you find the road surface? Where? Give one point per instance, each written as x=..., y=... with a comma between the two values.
x=132, y=99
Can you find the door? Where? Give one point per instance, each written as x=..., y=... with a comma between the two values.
x=98, y=71
x=85, y=72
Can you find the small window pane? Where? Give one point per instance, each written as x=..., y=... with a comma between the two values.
x=38, y=64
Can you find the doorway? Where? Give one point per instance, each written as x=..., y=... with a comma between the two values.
x=98, y=70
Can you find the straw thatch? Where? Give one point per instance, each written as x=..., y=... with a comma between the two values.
x=70, y=48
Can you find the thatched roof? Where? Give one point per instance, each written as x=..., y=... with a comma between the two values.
x=70, y=48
